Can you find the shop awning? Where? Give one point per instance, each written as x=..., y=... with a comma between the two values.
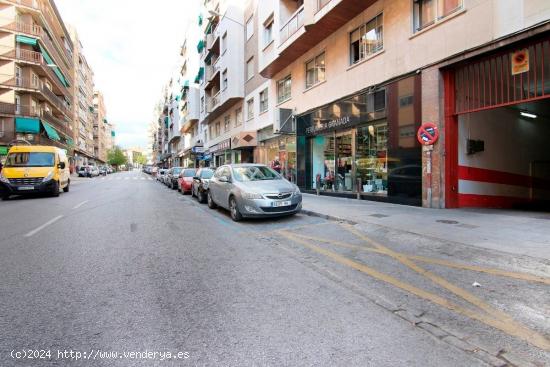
x=55, y=69
x=200, y=46
x=26, y=40
x=4, y=150
x=27, y=125
x=50, y=131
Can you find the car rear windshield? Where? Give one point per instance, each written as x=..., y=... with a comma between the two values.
x=32, y=159
x=255, y=173
x=207, y=173
x=189, y=173
x=176, y=170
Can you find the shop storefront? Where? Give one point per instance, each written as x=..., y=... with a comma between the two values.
x=192, y=156
x=364, y=144
x=243, y=145
x=278, y=152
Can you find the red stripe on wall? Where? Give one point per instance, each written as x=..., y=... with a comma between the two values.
x=487, y=201
x=500, y=177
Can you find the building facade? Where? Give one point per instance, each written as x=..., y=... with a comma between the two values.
x=36, y=76
x=100, y=124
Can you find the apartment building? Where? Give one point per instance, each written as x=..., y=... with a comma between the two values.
x=83, y=99
x=191, y=150
x=358, y=79
x=221, y=79
x=99, y=125
x=36, y=75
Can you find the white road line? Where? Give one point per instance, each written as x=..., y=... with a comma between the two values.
x=51, y=221
x=79, y=205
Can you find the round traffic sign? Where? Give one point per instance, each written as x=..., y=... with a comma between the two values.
x=427, y=133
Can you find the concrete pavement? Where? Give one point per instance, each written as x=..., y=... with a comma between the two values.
x=130, y=265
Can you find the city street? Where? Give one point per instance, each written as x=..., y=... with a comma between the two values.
x=124, y=264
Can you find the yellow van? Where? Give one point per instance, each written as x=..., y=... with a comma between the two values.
x=34, y=169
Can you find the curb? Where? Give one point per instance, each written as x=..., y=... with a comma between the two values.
x=326, y=216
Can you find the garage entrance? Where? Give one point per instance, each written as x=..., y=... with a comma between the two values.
x=498, y=129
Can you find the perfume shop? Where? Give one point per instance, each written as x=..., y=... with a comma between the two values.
x=364, y=144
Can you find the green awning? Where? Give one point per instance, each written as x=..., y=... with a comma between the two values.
x=4, y=150
x=178, y=98
x=105, y=121
x=50, y=131
x=200, y=46
x=166, y=121
x=27, y=125
x=70, y=142
x=91, y=108
x=27, y=40
x=186, y=84
x=208, y=28
x=113, y=133
x=55, y=69
x=200, y=19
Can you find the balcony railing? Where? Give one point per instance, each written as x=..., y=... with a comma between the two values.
x=20, y=82
x=22, y=110
x=214, y=101
x=21, y=27
x=292, y=25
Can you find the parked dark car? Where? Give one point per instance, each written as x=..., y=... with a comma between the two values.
x=405, y=181
x=171, y=178
x=200, y=183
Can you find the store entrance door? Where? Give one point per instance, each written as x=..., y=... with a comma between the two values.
x=344, y=161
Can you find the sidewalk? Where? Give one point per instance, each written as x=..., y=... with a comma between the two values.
x=515, y=232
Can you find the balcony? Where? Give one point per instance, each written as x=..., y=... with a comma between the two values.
x=211, y=71
x=318, y=24
x=19, y=110
x=292, y=25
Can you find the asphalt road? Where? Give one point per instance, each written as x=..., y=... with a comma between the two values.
x=123, y=264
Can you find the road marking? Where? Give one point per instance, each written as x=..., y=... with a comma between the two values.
x=493, y=317
x=51, y=221
x=79, y=205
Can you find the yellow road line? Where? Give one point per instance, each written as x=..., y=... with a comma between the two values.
x=506, y=324
x=429, y=260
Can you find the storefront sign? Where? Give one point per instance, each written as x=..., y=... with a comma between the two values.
x=197, y=149
x=427, y=133
x=327, y=125
x=224, y=145
x=520, y=61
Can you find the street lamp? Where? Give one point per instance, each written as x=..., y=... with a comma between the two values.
x=217, y=14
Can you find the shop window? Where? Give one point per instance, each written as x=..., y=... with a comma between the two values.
x=238, y=117
x=284, y=89
x=366, y=40
x=250, y=109
x=264, y=101
x=428, y=12
x=315, y=70
x=227, y=123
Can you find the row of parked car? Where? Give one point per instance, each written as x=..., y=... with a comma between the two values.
x=246, y=190
x=94, y=171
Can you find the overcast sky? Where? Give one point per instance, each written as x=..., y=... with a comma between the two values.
x=133, y=49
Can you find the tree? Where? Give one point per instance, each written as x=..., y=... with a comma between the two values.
x=140, y=159
x=116, y=157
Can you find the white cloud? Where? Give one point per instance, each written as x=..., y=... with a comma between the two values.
x=133, y=48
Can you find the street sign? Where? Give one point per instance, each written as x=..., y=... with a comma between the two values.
x=520, y=61
x=427, y=133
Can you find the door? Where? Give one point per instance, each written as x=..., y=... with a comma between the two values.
x=344, y=162
x=225, y=188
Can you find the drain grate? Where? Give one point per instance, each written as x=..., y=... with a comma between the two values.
x=379, y=215
x=446, y=221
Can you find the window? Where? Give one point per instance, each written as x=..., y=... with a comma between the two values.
x=35, y=80
x=366, y=40
x=264, y=101
x=211, y=132
x=249, y=27
x=315, y=70
x=268, y=31
x=218, y=129
x=250, y=109
x=17, y=104
x=428, y=12
x=238, y=117
x=2, y=127
x=224, y=42
x=283, y=89
x=227, y=123
x=224, y=79
x=202, y=104
x=250, y=68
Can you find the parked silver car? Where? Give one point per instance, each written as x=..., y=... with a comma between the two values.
x=252, y=190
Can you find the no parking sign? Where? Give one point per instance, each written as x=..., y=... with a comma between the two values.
x=427, y=133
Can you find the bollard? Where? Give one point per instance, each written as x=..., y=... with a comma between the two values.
x=359, y=187
x=318, y=184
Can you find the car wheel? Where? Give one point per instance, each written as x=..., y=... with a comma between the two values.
x=5, y=197
x=211, y=203
x=55, y=189
x=200, y=196
x=234, y=209
x=66, y=188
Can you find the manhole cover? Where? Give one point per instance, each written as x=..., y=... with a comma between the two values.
x=446, y=221
x=379, y=215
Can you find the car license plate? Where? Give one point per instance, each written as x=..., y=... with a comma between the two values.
x=281, y=203
x=22, y=188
